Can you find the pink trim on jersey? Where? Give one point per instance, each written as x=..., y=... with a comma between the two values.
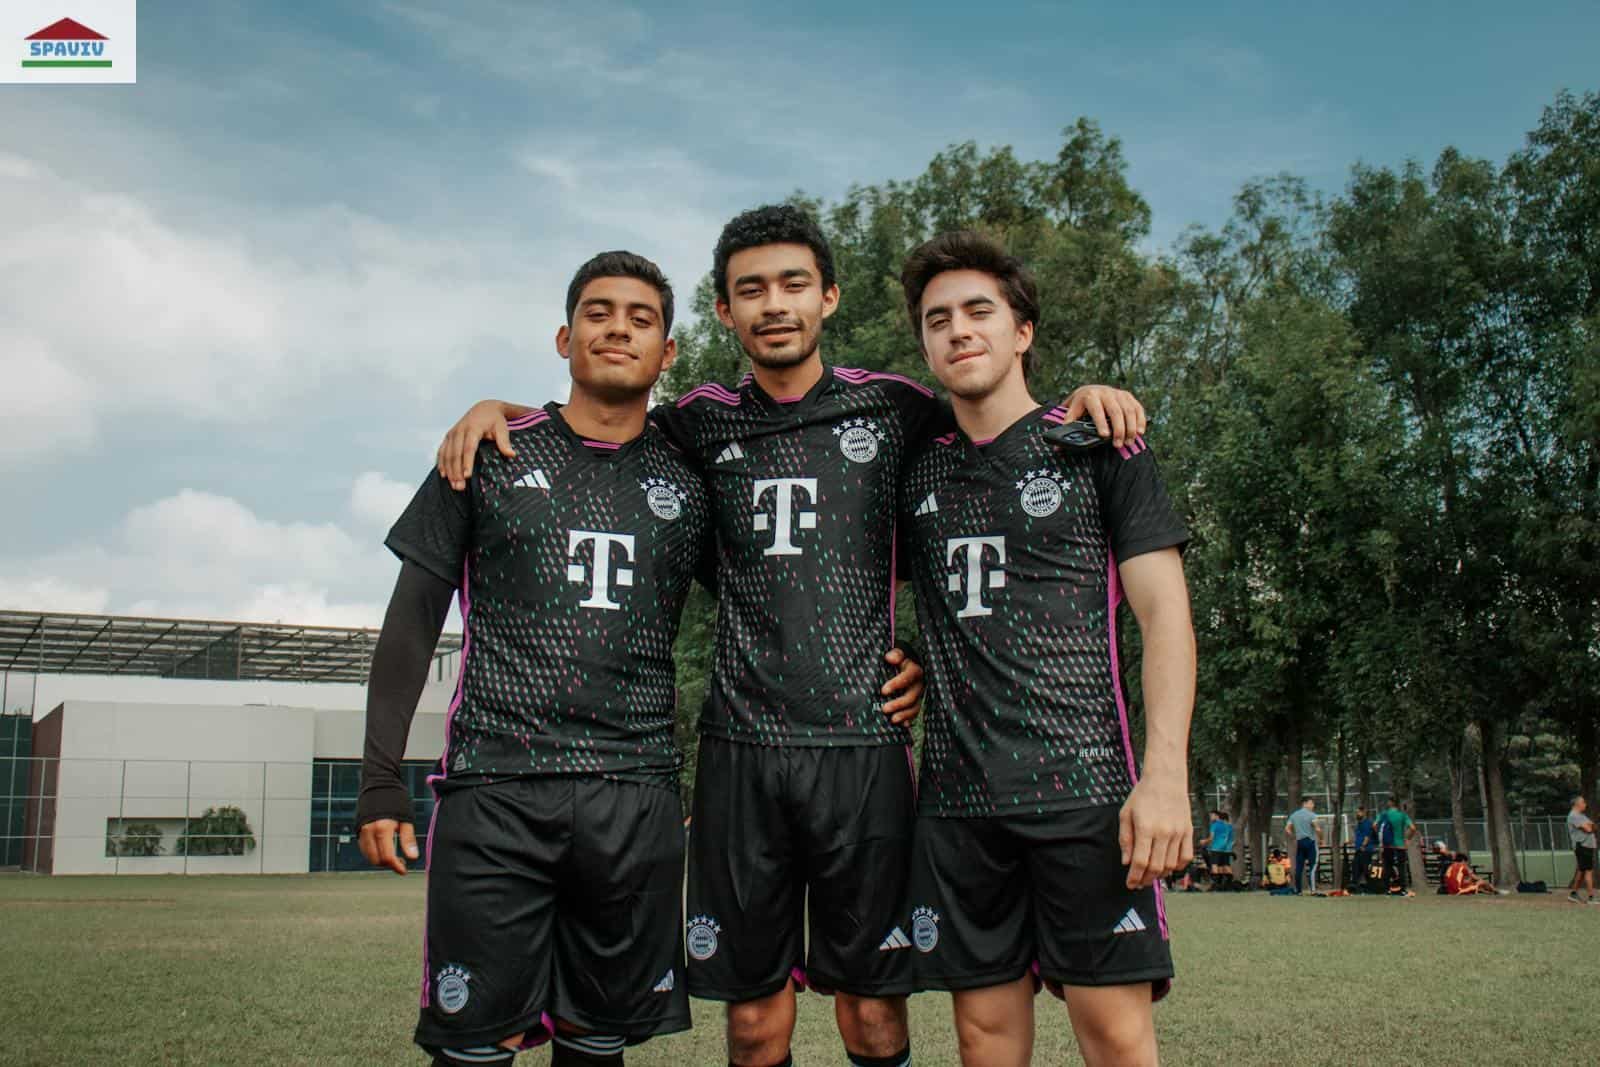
x=946, y=439
x=790, y=399
x=532, y=418
x=1132, y=448
x=427, y=903
x=1161, y=917
x=464, y=598
x=609, y=446
x=1113, y=598
x=985, y=441
x=536, y=1035
x=798, y=974
x=711, y=391
x=1056, y=415
x=856, y=376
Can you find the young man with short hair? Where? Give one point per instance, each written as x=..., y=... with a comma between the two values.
x=1302, y=828
x=1581, y=829
x=555, y=855
x=1038, y=844
x=803, y=796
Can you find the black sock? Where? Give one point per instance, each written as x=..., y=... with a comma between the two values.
x=787, y=1061
x=899, y=1059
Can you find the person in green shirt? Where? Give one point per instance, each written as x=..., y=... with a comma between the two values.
x=1396, y=829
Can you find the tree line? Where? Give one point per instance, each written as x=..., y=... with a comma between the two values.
x=1379, y=411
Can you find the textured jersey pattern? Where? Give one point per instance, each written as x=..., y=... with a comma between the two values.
x=803, y=496
x=573, y=561
x=1013, y=550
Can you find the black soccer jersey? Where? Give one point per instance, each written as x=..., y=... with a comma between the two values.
x=573, y=560
x=803, y=492
x=1013, y=548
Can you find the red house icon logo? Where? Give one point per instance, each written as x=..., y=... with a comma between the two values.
x=66, y=43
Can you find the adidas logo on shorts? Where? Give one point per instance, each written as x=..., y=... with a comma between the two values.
x=667, y=984
x=1130, y=924
x=897, y=939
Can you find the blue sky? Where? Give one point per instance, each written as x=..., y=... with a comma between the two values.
x=240, y=300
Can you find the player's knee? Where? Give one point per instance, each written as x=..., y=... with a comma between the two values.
x=758, y=1032
x=1116, y=1038
x=874, y=1014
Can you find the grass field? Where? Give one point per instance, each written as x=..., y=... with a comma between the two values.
x=323, y=970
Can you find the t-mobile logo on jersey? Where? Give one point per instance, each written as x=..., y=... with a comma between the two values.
x=970, y=577
x=599, y=578
x=787, y=512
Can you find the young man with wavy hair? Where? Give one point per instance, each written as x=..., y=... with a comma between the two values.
x=1039, y=846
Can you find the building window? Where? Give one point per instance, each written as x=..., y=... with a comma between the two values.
x=335, y=786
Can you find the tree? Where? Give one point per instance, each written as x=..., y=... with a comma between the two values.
x=220, y=831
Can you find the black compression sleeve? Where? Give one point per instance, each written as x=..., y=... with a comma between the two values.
x=400, y=663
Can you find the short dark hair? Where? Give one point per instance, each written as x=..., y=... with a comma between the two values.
x=1461, y=857
x=770, y=224
x=971, y=250
x=620, y=264
x=1307, y=797
x=1394, y=801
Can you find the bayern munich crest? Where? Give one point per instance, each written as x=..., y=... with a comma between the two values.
x=703, y=931
x=450, y=989
x=925, y=929
x=859, y=439
x=1041, y=493
x=664, y=498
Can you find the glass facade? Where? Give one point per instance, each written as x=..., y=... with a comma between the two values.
x=335, y=785
x=16, y=745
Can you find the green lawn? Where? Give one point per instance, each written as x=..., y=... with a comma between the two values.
x=323, y=969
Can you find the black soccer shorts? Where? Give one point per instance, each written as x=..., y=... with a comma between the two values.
x=1584, y=854
x=993, y=898
x=776, y=829
x=553, y=898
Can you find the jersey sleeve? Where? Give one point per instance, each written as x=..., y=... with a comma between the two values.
x=1138, y=514
x=677, y=423
x=435, y=530
x=923, y=414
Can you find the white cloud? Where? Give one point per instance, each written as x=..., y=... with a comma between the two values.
x=109, y=310
x=196, y=554
x=377, y=500
x=24, y=593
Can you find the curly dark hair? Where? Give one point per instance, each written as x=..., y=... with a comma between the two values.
x=770, y=224
x=970, y=250
x=620, y=264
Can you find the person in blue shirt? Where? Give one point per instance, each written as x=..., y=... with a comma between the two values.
x=1366, y=845
x=1218, y=844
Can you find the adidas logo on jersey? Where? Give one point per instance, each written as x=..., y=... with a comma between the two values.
x=534, y=479
x=928, y=506
x=1130, y=924
x=666, y=985
x=897, y=939
x=732, y=452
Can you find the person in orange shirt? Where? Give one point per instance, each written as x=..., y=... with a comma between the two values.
x=1459, y=881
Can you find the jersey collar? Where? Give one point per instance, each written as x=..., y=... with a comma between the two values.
x=790, y=405
x=603, y=451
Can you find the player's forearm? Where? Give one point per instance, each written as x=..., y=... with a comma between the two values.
x=400, y=663
x=1169, y=682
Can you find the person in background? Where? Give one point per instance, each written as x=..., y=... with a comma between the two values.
x=1459, y=880
x=1218, y=846
x=1395, y=828
x=1581, y=829
x=1446, y=858
x=1302, y=827
x=1366, y=846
